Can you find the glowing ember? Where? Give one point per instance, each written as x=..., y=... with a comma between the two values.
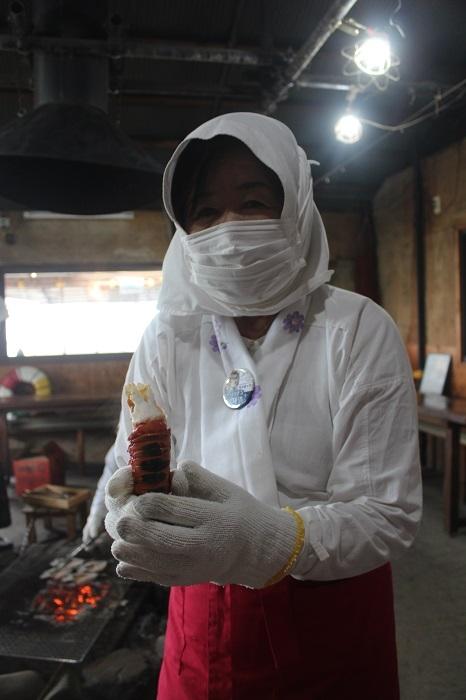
x=63, y=603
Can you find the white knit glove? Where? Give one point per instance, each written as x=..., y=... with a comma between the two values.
x=209, y=530
x=95, y=524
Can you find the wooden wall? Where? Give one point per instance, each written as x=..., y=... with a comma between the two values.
x=95, y=378
x=444, y=176
x=393, y=217
x=143, y=239
x=352, y=251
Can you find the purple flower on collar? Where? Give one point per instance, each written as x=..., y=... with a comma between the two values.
x=256, y=395
x=293, y=323
x=213, y=342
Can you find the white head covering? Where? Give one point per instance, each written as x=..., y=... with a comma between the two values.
x=275, y=146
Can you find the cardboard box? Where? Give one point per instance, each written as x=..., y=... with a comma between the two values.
x=62, y=497
x=48, y=468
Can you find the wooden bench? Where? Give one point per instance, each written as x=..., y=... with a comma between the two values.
x=83, y=413
x=73, y=424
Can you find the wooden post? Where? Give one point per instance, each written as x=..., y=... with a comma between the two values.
x=419, y=228
x=451, y=485
x=81, y=448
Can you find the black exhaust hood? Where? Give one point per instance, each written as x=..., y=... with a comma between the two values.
x=66, y=155
x=71, y=159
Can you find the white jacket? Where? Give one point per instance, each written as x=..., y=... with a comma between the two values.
x=343, y=435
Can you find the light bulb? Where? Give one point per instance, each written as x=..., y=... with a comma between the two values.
x=373, y=55
x=348, y=129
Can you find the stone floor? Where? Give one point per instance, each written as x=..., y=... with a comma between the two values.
x=430, y=598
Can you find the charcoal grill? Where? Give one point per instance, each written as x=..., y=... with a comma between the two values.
x=23, y=636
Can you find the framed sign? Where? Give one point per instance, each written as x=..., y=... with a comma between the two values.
x=435, y=373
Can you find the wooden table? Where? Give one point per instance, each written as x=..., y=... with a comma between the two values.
x=55, y=402
x=451, y=414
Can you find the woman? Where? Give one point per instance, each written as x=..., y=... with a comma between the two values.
x=297, y=400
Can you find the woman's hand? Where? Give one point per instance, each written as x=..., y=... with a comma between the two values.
x=208, y=529
x=94, y=524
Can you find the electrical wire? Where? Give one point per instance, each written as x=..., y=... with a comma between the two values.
x=394, y=23
x=341, y=166
x=418, y=119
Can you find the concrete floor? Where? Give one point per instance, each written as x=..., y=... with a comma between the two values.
x=430, y=598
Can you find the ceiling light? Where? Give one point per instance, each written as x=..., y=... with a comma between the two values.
x=371, y=61
x=348, y=129
x=373, y=55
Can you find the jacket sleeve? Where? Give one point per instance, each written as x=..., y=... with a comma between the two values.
x=110, y=466
x=375, y=493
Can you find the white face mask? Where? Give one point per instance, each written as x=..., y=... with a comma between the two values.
x=243, y=263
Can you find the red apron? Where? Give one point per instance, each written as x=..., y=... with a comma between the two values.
x=296, y=640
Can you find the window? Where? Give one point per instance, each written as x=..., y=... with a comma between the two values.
x=77, y=312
